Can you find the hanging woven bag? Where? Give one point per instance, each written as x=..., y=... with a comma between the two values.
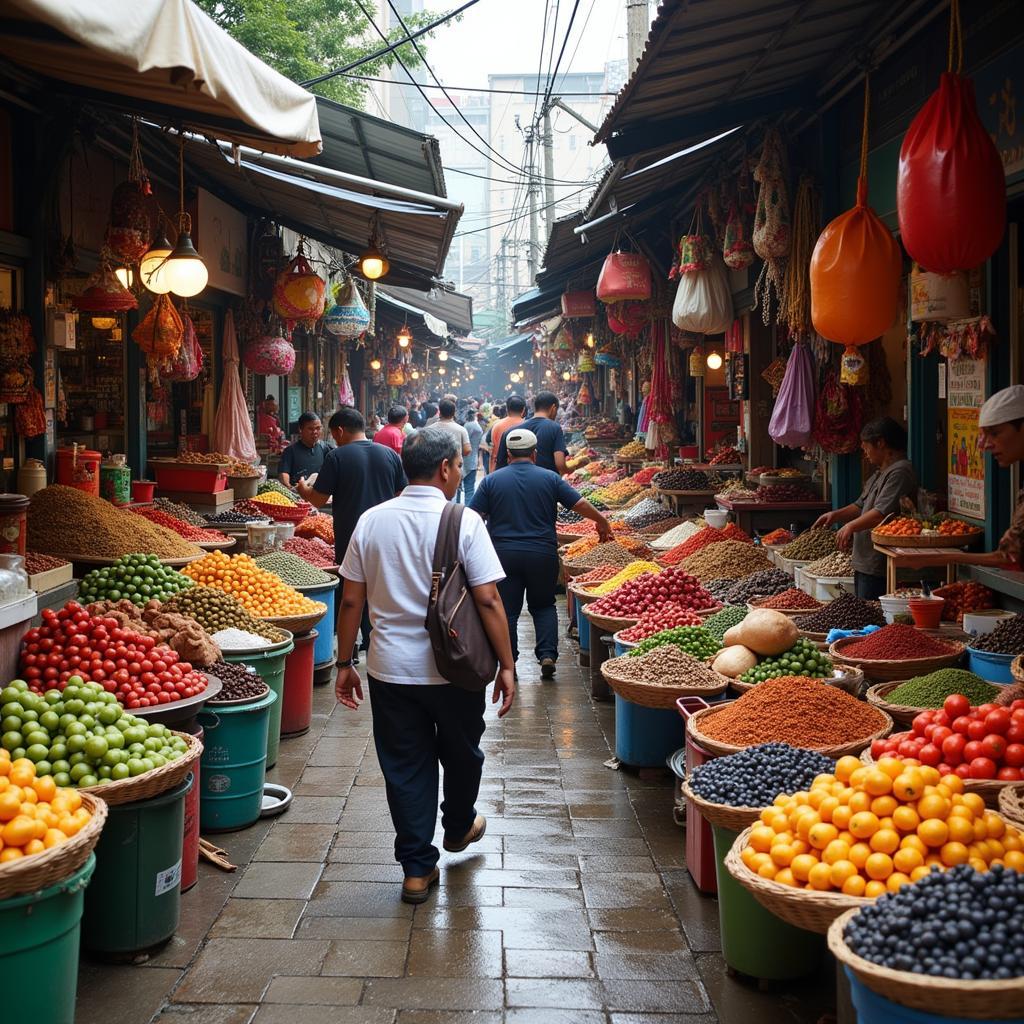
x=348, y=317
x=299, y=293
x=160, y=332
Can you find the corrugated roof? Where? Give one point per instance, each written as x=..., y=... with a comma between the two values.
x=454, y=308
x=715, y=63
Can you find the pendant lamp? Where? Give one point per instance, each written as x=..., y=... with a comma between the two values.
x=152, y=265
x=373, y=264
x=184, y=270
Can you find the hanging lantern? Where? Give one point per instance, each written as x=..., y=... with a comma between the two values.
x=714, y=361
x=578, y=304
x=348, y=317
x=299, y=293
x=104, y=323
x=185, y=271
x=443, y=356
x=103, y=293
x=696, y=363
x=566, y=375
x=161, y=331
x=404, y=337
x=151, y=266
x=373, y=264
x=375, y=363
x=624, y=277
x=270, y=356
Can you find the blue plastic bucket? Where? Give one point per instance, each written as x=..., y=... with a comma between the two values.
x=583, y=627
x=270, y=665
x=234, y=763
x=993, y=667
x=323, y=649
x=39, y=940
x=622, y=647
x=875, y=1009
x=645, y=737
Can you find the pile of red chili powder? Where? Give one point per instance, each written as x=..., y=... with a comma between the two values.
x=898, y=643
x=796, y=710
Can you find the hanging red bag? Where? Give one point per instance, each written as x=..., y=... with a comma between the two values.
x=855, y=269
x=625, y=277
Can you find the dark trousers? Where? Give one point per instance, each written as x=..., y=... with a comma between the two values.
x=867, y=586
x=414, y=729
x=535, y=576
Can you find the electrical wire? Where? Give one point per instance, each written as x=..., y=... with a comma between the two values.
x=507, y=181
x=540, y=209
x=561, y=53
x=480, y=89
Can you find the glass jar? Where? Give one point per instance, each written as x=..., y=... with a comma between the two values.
x=13, y=578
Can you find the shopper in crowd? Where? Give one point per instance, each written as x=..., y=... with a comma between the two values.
x=520, y=503
x=515, y=414
x=372, y=425
x=486, y=450
x=1001, y=422
x=551, y=446
x=394, y=433
x=429, y=414
x=419, y=718
x=884, y=444
x=305, y=457
x=446, y=421
x=356, y=476
x=469, y=467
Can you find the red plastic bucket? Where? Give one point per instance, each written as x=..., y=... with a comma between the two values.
x=700, y=841
x=190, y=845
x=79, y=469
x=142, y=490
x=297, y=707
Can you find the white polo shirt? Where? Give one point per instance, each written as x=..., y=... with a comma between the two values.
x=392, y=552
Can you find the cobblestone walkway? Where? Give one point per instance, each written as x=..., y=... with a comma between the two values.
x=576, y=907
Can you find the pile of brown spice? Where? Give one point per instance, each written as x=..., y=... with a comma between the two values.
x=68, y=522
x=795, y=710
x=728, y=559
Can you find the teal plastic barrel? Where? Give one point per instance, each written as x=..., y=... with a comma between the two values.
x=582, y=627
x=234, y=763
x=754, y=941
x=875, y=1009
x=39, y=936
x=134, y=902
x=270, y=665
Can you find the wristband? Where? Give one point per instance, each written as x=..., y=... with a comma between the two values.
x=344, y=664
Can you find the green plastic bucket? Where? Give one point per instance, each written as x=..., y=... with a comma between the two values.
x=234, y=763
x=270, y=665
x=39, y=935
x=754, y=941
x=134, y=902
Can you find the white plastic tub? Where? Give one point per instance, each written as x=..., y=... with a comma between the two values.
x=827, y=588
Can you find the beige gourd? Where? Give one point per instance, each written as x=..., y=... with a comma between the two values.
x=765, y=632
x=734, y=661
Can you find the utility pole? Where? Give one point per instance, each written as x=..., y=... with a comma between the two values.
x=503, y=283
x=533, y=190
x=638, y=24
x=549, y=170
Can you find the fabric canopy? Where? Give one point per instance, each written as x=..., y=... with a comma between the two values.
x=232, y=429
x=166, y=58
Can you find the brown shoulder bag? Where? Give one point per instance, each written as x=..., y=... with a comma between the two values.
x=462, y=650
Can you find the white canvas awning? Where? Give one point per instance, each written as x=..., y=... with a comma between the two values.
x=163, y=58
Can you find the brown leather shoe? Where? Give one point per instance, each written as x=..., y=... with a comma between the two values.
x=416, y=889
x=475, y=834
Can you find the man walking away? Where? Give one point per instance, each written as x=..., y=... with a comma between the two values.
x=446, y=421
x=551, y=446
x=520, y=503
x=419, y=718
x=515, y=413
x=356, y=476
x=469, y=467
x=394, y=433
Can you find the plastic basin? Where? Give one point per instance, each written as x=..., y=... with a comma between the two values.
x=39, y=938
x=134, y=902
x=234, y=763
x=297, y=710
x=993, y=667
x=270, y=665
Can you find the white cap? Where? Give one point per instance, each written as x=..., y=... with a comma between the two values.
x=1003, y=406
x=521, y=440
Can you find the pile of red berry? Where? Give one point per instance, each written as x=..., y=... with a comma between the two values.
x=137, y=669
x=668, y=616
x=983, y=742
x=653, y=591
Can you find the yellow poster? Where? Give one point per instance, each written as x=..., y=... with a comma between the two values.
x=966, y=461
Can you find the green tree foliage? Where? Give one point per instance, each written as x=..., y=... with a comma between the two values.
x=305, y=38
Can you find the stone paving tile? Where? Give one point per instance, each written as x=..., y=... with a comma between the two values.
x=358, y=958
x=455, y=954
x=625, y=891
x=316, y=991
x=117, y=995
x=548, y=1015
x=179, y=1013
x=367, y=872
x=628, y=865
x=449, y=1017
x=287, y=841
x=278, y=881
x=552, y=879
x=548, y=963
x=544, y=899
x=369, y=899
x=559, y=993
x=258, y=919
x=435, y=993
x=315, y=810
x=281, y=1013
x=663, y=941
x=362, y=929
x=658, y=997
x=645, y=966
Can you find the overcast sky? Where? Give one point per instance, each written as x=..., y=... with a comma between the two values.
x=498, y=36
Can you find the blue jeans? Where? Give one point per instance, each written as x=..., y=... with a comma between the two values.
x=486, y=457
x=533, y=575
x=467, y=487
x=414, y=729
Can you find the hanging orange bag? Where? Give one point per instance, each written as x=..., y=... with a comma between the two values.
x=855, y=269
x=160, y=332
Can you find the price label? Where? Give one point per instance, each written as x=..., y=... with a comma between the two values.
x=168, y=879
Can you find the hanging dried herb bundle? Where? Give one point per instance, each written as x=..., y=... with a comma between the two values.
x=795, y=304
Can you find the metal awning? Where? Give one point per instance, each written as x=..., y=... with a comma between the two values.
x=162, y=58
x=436, y=327
x=454, y=308
x=712, y=64
x=537, y=303
x=511, y=344
x=359, y=143
x=335, y=208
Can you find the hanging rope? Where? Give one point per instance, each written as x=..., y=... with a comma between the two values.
x=956, y=39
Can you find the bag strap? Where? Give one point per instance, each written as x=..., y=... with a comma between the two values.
x=446, y=547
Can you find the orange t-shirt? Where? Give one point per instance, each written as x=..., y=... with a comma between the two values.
x=500, y=427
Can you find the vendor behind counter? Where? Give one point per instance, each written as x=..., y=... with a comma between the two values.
x=305, y=457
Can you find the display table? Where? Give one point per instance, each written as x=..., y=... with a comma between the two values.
x=687, y=503
x=900, y=558
x=752, y=516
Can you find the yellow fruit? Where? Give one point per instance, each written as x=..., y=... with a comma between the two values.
x=767, y=815
x=836, y=851
x=841, y=817
x=785, y=877
x=933, y=805
x=913, y=842
x=953, y=854
x=1014, y=859
x=883, y=806
x=878, y=866
x=820, y=877
x=892, y=766
x=864, y=824
x=960, y=829
x=878, y=783
x=874, y=889
x=994, y=824
x=908, y=786
x=846, y=766
x=859, y=854
x=885, y=840
x=854, y=886
x=895, y=880
x=19, y=831
x=768, y=870
x=782, y=855
x=933, y=832
x=975, y=801
x=761, y=838
x=841, y=870
x=919, y=872
x=801, y=866
x=906, y=859
x=906, y=819
x=827, y=808
x=821, y=834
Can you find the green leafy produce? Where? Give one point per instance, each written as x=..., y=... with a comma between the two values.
x=721, y=622
x=931, y=691
x=802, y=659
x=136, y=578
x=81, y=735
x=694, y=640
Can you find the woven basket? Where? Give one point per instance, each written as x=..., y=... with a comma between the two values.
x=571, y=571
x=606, y=622
x=712, y=746
x=989, y=790
x=40, y=870
x=803, y=908
x=943, y=997
x=159, y=780
x=904, y=714
x=735, y=819
x=582, y=596
x=820, y=640
x=1017, y=668
x=793, y=613
x=565, y=537
x=884, y=671
x=931, y=541
x=654, y=695
x=296, y=624
x=1011, y=804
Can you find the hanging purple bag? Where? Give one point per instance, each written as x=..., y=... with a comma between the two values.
x=793, y=416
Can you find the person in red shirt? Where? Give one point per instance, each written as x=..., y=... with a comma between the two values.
x=393, y=434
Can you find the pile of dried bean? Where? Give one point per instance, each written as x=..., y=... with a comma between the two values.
x=845, y=612
x=730, y=558
x=811, y=544
x=666, y=666
x=611, y=553
x=239, y=681
x=790, y=599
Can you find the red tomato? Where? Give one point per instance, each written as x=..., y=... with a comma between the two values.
x=930, y=754
x=963, y=770
x=955, y=705
x=977, y=730
x=1009, y=774
x=941, y=734
x=972, y=750
x=1013, y=756
x=962, y=724
x=994, y=746
x=998, y=721
x=982, y=768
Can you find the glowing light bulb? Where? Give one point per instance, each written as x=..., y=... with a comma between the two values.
x=714, y=361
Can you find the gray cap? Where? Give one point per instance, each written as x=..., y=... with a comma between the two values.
x=1003, y=406
x=520, y=441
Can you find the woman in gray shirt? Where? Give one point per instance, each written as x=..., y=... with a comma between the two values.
x=884, y=443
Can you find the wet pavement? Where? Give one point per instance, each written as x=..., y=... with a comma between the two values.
x=576, y=907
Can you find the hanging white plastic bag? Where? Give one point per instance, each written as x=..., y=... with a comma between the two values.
x=793, y=416
x=703, y=302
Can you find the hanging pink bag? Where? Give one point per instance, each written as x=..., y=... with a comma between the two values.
x=793, y=416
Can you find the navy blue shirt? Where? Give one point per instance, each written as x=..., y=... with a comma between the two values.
x=550, y=439
x=298, y=461
x=358, y=476
x=520, y=503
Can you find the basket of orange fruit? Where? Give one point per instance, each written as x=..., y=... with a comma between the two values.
x=47, y=832
x=861, y=831
x=914, y=531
